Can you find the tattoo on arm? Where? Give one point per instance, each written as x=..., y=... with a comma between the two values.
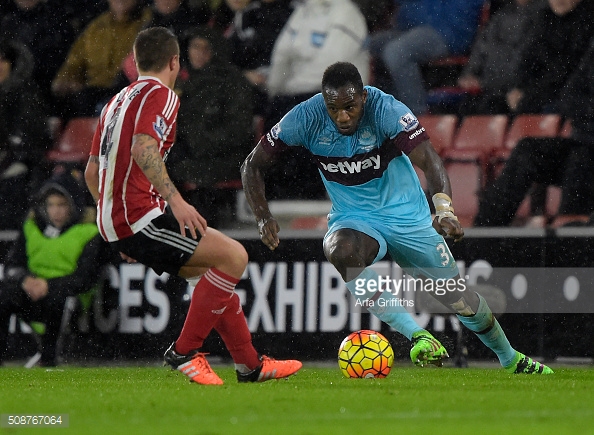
x=94, y=159
x=146, y=155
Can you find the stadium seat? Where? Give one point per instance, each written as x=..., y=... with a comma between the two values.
x=526, y=125
x=529, y=125
x=466, y=181
x=484, y=133
x=467, y=161
x=441, y=130
x=566, y=129
x=570, y=220
x=477, y=138
x=309, y=223
x=74, y=143
x=532, y=126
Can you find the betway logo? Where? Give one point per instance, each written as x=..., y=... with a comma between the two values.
x=353, y=167
x=416, y=133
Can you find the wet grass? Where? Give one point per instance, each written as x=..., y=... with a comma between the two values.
x=319, y=400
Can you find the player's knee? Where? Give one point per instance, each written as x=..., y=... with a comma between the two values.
x=344, y=255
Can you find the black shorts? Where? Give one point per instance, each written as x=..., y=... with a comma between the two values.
x=159, y=245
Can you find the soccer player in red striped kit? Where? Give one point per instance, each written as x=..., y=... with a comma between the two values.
x=126, y=175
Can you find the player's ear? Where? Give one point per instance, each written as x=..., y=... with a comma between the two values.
x=364, y=96
x=174, y=62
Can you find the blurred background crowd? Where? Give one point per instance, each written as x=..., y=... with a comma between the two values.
x=247, y=62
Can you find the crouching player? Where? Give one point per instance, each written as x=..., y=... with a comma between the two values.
x=365, y=143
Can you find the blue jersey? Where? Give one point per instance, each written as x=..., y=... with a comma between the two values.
x=368, y=174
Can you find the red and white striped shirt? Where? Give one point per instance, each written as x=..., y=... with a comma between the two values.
x=127, y=199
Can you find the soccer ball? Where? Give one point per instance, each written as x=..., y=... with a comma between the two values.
x=365, y=354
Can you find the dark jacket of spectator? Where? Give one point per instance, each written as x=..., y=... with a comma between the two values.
x=47, y=34
x=256, y=30
x=492, y=68
x=214, y=131
x=215, y=117
x=552, y=54
x=24, y=137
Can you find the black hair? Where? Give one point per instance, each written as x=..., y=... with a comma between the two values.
x=154, y=47
x=340, y=74
x=219, y=45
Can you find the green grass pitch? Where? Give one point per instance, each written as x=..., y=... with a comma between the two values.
x=319, y=400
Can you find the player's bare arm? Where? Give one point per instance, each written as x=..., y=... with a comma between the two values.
x=145, y=152
x=426, y=158
x=255, y=192
x=92, y=176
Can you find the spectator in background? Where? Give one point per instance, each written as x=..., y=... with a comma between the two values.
x=423, y=30
x=45, y=32
x=79, y=13
x=561, y=35
x=377, y=13
x=86, y=79
x=176, y=15
x=179, y=16
x=54, y=256
x=564, y=162
x=255, y=31
x=225, y=15
x=492, y=67
x=23, y=132
x=214, y=125
x=318, y=33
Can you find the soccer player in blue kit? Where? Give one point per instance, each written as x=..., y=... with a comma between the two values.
x=365, y=143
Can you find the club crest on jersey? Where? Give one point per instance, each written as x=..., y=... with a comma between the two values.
x=324, y=140
x=160, y=127
x=367, y=139
x=409, y=122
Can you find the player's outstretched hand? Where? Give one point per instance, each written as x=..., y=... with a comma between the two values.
x=268, y=229
x=449, y=227
x=187, y=216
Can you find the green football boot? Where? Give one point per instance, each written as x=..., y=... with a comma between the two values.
x=426, y=349
x=526, y=365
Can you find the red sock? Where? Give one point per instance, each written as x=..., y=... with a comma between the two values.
x=234, y=331
x=209, y=301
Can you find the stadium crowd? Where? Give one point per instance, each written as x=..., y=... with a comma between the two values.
x=64, y=59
